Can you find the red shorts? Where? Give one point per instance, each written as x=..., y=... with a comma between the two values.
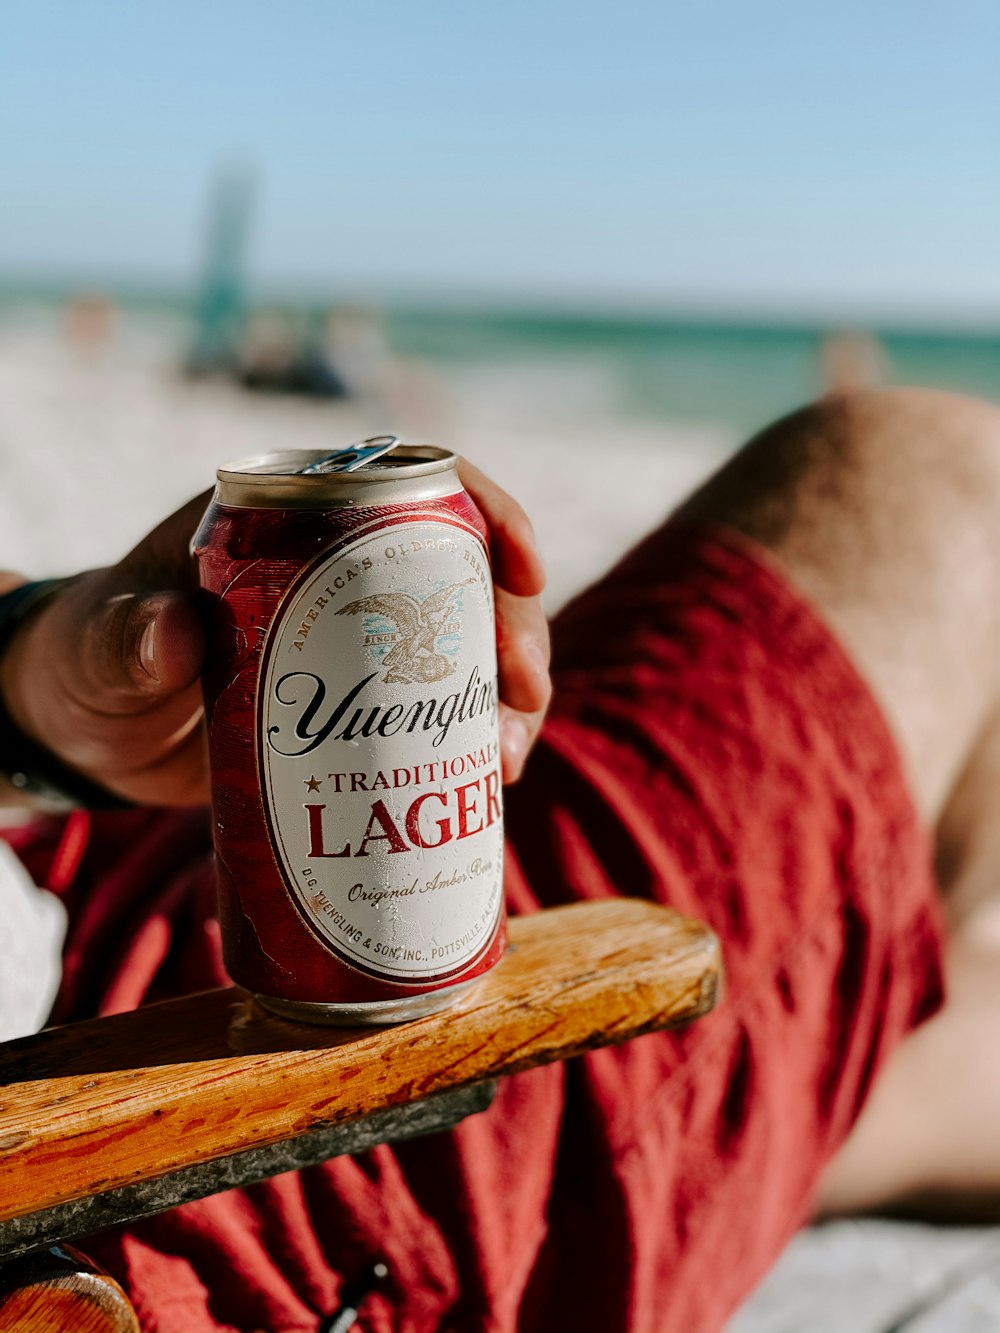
x=710, y=746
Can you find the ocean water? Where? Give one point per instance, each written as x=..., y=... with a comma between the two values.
x=735, y=376
x=731, y=376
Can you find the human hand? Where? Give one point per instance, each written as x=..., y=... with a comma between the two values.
x=105, y=675
x=522, y=630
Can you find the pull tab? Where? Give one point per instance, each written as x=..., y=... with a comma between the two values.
x=346, y=1317
x=353, y=457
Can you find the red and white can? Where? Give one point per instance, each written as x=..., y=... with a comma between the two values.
x=351, y=697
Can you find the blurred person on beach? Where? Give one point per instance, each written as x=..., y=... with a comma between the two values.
x=276, y=356
x=851, y=361
x=91, y=323
x=777, y=714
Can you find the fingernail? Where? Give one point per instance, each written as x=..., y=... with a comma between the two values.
x=537, y=656
x=147, y=650
x=515, y=741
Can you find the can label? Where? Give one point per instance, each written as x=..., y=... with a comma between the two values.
x=379, y=751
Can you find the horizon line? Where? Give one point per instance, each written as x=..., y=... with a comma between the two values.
x=819, y=314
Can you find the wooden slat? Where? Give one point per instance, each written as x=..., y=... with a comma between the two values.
x=35, y=1231
x=95, y=1105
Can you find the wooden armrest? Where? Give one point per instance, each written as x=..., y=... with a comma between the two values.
x=106, y=1104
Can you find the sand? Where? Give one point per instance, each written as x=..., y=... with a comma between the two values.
x=95, y=449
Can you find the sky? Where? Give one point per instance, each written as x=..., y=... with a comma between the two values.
x=777, y=156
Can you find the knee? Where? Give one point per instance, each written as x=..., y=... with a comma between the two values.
x=919, y=451
x=928, y=431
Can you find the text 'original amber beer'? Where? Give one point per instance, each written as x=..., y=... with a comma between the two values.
x=351, y=696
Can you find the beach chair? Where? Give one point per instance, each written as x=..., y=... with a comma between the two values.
x=107, y=1121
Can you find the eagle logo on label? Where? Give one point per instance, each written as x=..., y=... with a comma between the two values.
x=409, y=653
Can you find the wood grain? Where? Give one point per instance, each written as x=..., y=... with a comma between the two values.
x=62, y=1292
x=95, y=1105
x=143, y=1198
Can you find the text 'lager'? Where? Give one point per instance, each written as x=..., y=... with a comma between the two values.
x=351, y=698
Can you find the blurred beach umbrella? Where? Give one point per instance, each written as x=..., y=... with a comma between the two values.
x=221, y=305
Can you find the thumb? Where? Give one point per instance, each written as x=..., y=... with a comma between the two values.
x=140, y=633
x=137, y=649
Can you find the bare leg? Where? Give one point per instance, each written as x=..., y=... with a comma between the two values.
x=928, y=1141
x=885, y=510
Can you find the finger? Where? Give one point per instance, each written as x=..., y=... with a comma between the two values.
x=525, y=686
x=110, y=685
x=134, y=651
x=175, y=772
x=518, y=733
x=163, y=559
x=522, y=652
x=169, y=643
x=140, y=634
x=517, y=565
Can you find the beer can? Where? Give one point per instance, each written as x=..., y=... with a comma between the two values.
x=351, y=702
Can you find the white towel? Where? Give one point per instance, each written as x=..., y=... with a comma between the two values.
x=32, y=929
